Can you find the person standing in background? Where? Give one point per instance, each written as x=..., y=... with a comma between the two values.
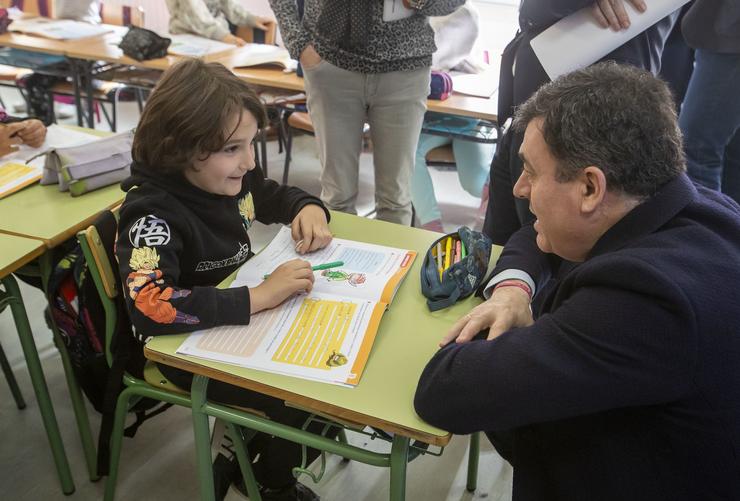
x=519, y=81
x=78, y=10
x=365, y=61
x=211, y=19
x=455, y=37
x=710, y=115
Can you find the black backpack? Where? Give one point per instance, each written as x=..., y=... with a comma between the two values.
x=78, y=313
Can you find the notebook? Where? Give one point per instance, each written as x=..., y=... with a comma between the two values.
x=325, y=335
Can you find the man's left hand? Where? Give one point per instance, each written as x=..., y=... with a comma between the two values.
x=310, y=229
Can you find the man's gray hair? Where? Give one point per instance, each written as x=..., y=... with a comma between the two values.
x=616, y=117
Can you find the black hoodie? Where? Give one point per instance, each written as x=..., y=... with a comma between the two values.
x=176, y=242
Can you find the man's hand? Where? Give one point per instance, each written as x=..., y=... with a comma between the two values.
x=310, y=230
x=309, y=57
x=287, y=279
x=33, y=133
x=508, y=307
x=233, y=40
x=9, y=137
x=611, y=13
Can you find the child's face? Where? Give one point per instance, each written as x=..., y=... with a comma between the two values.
x=222, y=172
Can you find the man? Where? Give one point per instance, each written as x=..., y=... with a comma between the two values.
x=522, y=74
x=623, y=381
x=365, y=62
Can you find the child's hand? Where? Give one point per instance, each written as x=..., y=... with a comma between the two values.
x=263, y=23
x=287, y=279
x=233, y=40
x=33, y=133
x=9, y=138
x=310, y=230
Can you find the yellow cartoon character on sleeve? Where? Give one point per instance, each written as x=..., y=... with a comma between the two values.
x=144, y=288
x=246, y=210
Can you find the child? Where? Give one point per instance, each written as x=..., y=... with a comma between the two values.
x=455, y=36
x=183, y=229
x=211, y=19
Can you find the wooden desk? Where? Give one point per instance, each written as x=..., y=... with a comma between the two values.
x=47, y=214
x=407, y=339
x=33, y=43
x=457, y=104
x=47, y=217
x=15, y=252
x=105, y=48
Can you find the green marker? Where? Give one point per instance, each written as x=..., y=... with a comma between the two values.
x=325, y=266
x=463, y=251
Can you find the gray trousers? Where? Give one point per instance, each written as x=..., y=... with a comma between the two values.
x=340, y=103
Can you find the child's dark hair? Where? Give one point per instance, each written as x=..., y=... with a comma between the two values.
x=188, y=112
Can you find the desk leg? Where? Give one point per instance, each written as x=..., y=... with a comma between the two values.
x=73, y=63
x=473, y=455
x=202, y=438
x=39, y=383
x=88, y=81
x=399, y=460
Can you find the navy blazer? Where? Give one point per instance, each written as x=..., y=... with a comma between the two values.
x=627, y=386
x=642, y=51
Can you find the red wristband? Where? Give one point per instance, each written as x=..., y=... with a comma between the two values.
x=515, y=283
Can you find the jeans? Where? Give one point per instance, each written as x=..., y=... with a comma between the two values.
x=710, y=122
x=472, y=160
x=340, y=103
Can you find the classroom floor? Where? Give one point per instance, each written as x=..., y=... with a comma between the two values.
x=158, y=464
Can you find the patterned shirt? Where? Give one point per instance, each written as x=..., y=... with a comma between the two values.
x=207, y=18
x=402, y=45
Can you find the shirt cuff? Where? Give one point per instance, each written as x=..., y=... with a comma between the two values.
x=511, y=274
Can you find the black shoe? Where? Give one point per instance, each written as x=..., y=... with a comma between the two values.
x=225, y=470
x=296, y=492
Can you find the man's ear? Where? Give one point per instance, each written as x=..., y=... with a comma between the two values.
x=593, y=188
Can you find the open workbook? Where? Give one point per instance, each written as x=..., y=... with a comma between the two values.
x=58, y=29
x=325, y=335
x=251, y=54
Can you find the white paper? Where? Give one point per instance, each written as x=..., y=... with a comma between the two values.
x=578, y=40
x=56, y=137
x=475, y=84
x=293, y=339
x=58, y=29
x=365, y=274
x=322, y=336
x=195, y=46
x=393, y=10
x=254, y=54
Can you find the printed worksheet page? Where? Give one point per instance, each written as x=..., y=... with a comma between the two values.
x=368, y=271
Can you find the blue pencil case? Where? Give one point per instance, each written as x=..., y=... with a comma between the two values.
x=461, y=278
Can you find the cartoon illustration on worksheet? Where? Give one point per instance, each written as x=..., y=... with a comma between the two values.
x=336, y=359
x=149, y=298
x=354, y=279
